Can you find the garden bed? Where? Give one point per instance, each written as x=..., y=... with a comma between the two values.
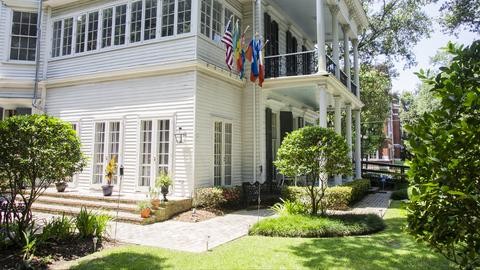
x=52, y=254
x=199, y=216
x=318, y=226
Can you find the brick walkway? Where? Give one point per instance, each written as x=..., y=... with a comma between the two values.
x=376, y=203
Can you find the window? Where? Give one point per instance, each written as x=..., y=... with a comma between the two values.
x=150, y=24
x=24, y=36
x=67, y=36
x=120, y=24
x=205, y=23
x=92, y=31
x=106, y=147
x=222, y=153
x=136, y=22
x=217, y=21
x=81, y=25
x=228, y=13
x=168, y=17
x=107, y=25
x=57, y=38
x=184, y=16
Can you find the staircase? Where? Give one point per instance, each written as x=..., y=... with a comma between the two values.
x=68, y=203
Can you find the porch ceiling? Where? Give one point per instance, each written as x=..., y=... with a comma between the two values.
x=303, y=14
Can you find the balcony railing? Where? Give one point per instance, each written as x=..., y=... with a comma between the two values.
x=353, y=88
x=291, y=64
x=331, y=66
x=344, y=78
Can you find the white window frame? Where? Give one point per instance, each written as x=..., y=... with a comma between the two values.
x=225, y=6
x=106, y=151
x=171, y=150
x=10, y=35
x=224, y=121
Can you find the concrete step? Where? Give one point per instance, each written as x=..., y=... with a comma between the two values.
x=73, y=211
x=74, y=202
x=96, y=196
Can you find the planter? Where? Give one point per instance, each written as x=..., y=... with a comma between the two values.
x=107, y=190
x=164, y=191
x=61, y=186
x=145, y=213
x=155, y=203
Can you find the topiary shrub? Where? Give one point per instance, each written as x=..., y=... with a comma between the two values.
x=338, y=198
x=218, y=198
x=360, y=188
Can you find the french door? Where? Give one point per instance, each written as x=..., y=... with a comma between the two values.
x=222, y=153
x=106, y=146
x=155, y=149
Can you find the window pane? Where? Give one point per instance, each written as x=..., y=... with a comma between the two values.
x=136, y=22
x=98, y=154
x=184, y=16
x=107, y=27
x=81, y=25
x=163, y=145
x=24, y=36
x=67, y=36
x=57, y=38
x=150, y=25
x=168, y=17
x=146, y=130
x=205, y=17
x=92, y=31
x=120, y=24
x=217, y=21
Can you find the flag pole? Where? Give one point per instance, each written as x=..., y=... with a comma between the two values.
x=254, y=105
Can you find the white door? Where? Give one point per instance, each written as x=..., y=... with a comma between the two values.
x=106, y=147
x=222, y=153
x=155, y=151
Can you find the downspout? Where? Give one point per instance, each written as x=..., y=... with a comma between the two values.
x=37, y=60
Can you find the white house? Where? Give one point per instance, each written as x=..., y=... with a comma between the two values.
x=146, y=81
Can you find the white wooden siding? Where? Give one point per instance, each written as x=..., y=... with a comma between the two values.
x=216, y=99
x=169, y=96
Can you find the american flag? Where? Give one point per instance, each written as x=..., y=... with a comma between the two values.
x=227, y=39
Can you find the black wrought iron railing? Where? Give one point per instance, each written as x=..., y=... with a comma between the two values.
x=291, y=64
x=331, y=66
x=344, y=78
x=353, y=88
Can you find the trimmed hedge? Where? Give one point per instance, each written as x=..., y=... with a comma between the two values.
x=317, y=226
x=218, y=198
x=401, y=194
x=336, y=198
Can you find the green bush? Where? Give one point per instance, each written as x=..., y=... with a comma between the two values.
x=401, y=194
x=287, y=207
x=336, y=198
x=90, y=224
x=58, y=229
x=317, y=226
x=217, y=198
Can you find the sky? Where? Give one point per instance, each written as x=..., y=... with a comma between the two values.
x=407, y=80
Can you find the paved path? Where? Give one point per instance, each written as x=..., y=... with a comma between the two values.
x=376, y=203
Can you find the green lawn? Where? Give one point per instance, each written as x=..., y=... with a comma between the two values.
x=390, y=249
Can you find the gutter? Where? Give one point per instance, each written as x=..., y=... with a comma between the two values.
x=38, y=54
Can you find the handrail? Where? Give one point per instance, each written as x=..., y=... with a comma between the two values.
x=289, y=54
x=385, y=164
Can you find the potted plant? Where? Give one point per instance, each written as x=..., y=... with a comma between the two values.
x=145, y=209
x=61, y=185
x=154, y=200
x=164, y=181
x=110, y=171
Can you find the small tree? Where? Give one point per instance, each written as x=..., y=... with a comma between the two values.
x=37, y=150
x=314, y=152
x=444, y=170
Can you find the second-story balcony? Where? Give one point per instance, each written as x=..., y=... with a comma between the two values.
x=303, y=63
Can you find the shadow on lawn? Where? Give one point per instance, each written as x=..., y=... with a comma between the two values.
x=124, y=260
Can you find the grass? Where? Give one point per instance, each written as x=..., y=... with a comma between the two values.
x=389, y=249
x=315, y=226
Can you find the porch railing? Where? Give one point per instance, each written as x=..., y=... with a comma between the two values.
x=291, y=64
x=353, y=88
x=344, y=78
x=331, y=66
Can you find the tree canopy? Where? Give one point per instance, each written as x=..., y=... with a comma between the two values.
x=444, y=170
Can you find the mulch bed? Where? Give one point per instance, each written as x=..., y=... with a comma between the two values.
x=55, y=253
x=199, y=216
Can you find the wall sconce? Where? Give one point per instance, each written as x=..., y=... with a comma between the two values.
x=179, y=135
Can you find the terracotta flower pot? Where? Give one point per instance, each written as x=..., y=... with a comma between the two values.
x=145, y=213
x=155, y=203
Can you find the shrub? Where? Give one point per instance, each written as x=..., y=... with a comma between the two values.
x=217, y=198
x=336, y=198
x=401, y=194
x=90, y=224
x=318, y=226
x=58, y=229
x=288, y=207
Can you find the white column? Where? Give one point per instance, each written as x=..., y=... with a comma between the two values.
x=358, y=145
x=356, y=66
x=338, y=128
x=336, y=45
x=322, y=105
x=346, y=55
x=348, y=133
x=321, y=36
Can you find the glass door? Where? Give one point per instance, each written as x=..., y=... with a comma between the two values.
x=155, y=139
x=222, y=153
x=106, y=146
